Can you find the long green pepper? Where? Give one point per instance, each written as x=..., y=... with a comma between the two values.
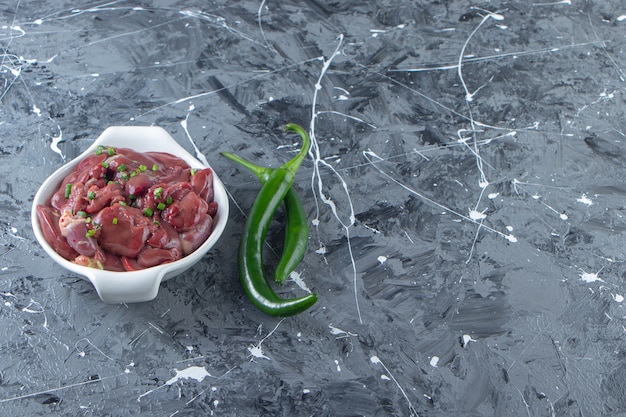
x=265, y=205
x=296, y=227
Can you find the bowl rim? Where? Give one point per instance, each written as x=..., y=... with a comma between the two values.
x=142, y=285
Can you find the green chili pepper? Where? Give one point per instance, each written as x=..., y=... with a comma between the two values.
x=296, y=227
x=266, y=204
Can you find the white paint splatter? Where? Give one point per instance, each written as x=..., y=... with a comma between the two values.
x=193, y=372
x=197, y=373
x=585, y=200
x=607, y=95
x=40, y=310
x=199, y=154
x=297, y=278
x=382, y=259
x=319, y=162
x=434, y=361
x=340, y=333
x=54, y=145
x=257, y=352
x=371, y=229
x=590, y=277
x=470, y=96
x=477, y=215
x=376, y=360
x=370, y=156
x=467, y=339
x=19, y=29
x=618, y=298
x=61, y=388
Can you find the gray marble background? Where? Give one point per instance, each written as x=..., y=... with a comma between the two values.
x=466, y=198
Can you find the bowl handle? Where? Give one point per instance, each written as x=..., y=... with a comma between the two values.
x=135, y=287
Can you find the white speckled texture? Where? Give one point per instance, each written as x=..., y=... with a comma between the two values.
x=465, y=192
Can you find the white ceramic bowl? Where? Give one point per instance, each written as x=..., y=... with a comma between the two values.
x=143, y=285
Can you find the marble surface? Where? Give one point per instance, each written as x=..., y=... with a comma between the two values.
x=465, y=194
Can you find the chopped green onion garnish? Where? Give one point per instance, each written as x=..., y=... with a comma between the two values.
x=90, y=233
x=168, y=200
x=161, y=206
x=133, y=174
x=111, y=151
x=132, y=196
x=122, y=203
x=121, y=168
x=82, y=214
x=157, y=223
x=99, y=150
x=158, y=191
x=125, y=176
x=148, y=212
x=114, y=220
x=143, y=168
x=105, y=164
x=68, y=190
x=155, y=167
x=193, y=171
x=91, y=195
